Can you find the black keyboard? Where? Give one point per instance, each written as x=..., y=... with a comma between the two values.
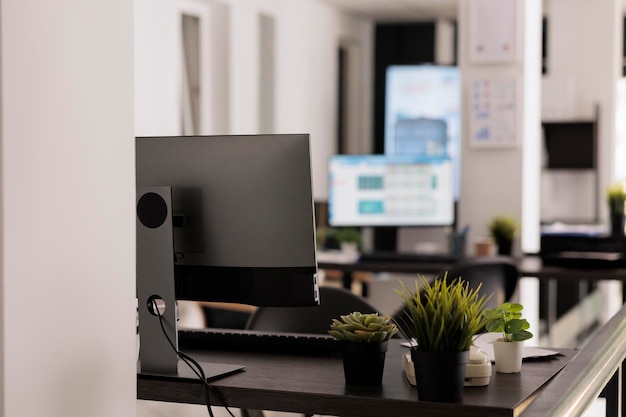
x=409, y=257
x=258, y=341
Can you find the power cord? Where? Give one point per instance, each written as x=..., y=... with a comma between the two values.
x=194, y=366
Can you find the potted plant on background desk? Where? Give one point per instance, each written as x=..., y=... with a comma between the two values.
x=508, y=350
x=503, y=230
x=615, y=197
x=442, y=319
x=347, y=239
x=364, y=340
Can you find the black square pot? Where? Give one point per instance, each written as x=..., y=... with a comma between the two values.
x=617, y=224
x=440, y=376
x=363, y=363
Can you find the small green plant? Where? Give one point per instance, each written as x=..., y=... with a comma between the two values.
x=333, y=237
x=616, y=196
x=358, y=327
x=348, y=234
x=442, y=316
x=507, y=319
x=503, y=227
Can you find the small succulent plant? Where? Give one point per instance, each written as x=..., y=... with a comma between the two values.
x=358, y=327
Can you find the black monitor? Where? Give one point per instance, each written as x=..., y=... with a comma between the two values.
x=221, y=218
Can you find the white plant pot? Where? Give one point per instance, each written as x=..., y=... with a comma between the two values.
x=508, y=356
x=349, y=247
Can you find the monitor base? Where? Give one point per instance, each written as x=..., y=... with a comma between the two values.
x=212, y=371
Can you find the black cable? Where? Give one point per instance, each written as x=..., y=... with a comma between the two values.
x=194, y=366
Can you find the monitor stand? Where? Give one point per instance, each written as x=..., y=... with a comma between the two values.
x=212, y=371
x=155, y=290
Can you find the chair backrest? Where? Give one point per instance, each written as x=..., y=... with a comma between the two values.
x=315, y=320
x=498, y=275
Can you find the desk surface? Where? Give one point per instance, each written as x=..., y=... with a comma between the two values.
x=530, y=266
x=315, y=385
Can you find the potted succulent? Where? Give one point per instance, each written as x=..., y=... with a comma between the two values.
x=441, y=317
x=364, y=345
x=503, y=229
x=347, y=239
x=615, y=196
x=508, y=350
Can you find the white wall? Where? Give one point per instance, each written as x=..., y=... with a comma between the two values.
x=157, y=68
x=308, y=34
x=584, y=49
x=67, y=226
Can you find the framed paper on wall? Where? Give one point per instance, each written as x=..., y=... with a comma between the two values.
x=493, y=31
x=492, y=112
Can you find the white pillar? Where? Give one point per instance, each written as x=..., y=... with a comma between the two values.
x=501, y=180
x=67, y=226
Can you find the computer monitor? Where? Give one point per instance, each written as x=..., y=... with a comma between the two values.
x=221, y=218
x=386, y=190
x=423, y=113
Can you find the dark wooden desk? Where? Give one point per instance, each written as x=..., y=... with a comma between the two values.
x=529, y=266
x=348, y=268
x=315, y=385
x=532, y=266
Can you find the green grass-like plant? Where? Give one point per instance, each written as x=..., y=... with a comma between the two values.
x=358, y=327
x=507, y=319
x=503, y=227
x=615, y=197
x=442, y=316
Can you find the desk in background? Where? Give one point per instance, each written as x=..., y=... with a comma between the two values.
x=529, y=266
x=315, y=385
x=349, y=265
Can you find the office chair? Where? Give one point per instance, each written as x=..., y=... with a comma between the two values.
x=315, y=320
x=498, y=275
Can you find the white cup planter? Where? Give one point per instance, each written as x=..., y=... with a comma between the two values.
x=508, y=356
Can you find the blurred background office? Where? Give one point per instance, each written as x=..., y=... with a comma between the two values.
x=319, y=66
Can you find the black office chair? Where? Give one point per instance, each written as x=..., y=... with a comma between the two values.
x=498, y=275
x=315, y=320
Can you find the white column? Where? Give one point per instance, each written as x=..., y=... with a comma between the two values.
x=67, y=224
x=504, y=180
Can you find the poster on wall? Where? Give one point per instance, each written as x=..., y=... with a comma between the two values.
x=423, y=113
x=493, y=31
x=492, y=112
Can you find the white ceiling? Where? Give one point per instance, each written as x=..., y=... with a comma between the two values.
x=405, y=10
x=397, y=10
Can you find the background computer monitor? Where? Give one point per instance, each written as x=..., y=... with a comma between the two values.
x=384, y=190
x=423, y=113
x=222, y=218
